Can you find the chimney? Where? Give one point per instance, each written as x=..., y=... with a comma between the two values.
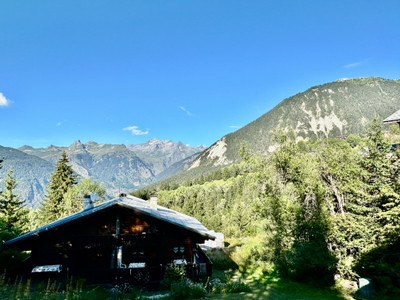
x=87, y=202
x=153, y=201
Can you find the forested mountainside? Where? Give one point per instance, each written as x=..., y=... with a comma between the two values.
x=333, y=109
x=32, y=172
x=119, y=167
x=308, y=210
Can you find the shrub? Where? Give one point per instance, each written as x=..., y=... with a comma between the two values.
x=185, y=289
x=254, y=254
x=173, y=274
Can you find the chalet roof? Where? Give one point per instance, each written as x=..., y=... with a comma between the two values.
x=130, y=202
x=393, y=118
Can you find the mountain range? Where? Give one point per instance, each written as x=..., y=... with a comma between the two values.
x=333, y=109
x=119, y=167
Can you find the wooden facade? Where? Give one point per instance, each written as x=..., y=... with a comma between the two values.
x=117, y=243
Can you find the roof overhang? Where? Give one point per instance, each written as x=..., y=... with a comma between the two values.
x=393, y=118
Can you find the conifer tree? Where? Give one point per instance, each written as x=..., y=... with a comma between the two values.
x=61, y=180
x=382, y=169
x=12, y=211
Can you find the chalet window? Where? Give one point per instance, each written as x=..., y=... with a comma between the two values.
x=134, y=225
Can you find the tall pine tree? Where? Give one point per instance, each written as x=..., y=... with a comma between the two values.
x=12, y=210
x=61, y=180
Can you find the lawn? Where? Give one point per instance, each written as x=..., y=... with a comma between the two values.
x=287, y=291
x=279, y=289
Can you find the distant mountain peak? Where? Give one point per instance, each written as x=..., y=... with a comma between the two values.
x=25, y=148
x=77, y=142
x=77, y=146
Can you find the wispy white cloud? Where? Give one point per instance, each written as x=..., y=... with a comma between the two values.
x=186, y=111
x=356, y=64
x=59, y=124
x=135, y=130
x=3, y=100
x=234, y=126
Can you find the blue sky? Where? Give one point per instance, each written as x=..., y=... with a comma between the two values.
x=190, y=71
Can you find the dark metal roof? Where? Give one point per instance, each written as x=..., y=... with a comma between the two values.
x=393, y=118
x=130, y=202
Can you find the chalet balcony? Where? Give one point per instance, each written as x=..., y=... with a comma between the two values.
x=111, y=241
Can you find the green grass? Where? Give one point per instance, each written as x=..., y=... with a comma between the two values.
x=279, y=289
x=271, y=287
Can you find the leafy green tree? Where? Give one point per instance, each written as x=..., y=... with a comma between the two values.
x=394, y=129
x=61, y=180
x=12, y=209
x=33, y=219
x=73, y=198
x=283, y=155
x=339, y=169
x=244, y=151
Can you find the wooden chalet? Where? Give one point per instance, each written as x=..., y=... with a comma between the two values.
x=126, y=239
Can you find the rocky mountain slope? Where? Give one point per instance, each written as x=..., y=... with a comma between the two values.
x=119, y=167
x=334, y=109
x=32, y=173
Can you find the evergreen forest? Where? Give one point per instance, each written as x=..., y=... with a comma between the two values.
x=311, y=211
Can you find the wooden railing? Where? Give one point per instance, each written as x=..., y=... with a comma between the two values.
x=113, y=240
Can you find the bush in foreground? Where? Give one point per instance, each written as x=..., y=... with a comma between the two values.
x=187, y=289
